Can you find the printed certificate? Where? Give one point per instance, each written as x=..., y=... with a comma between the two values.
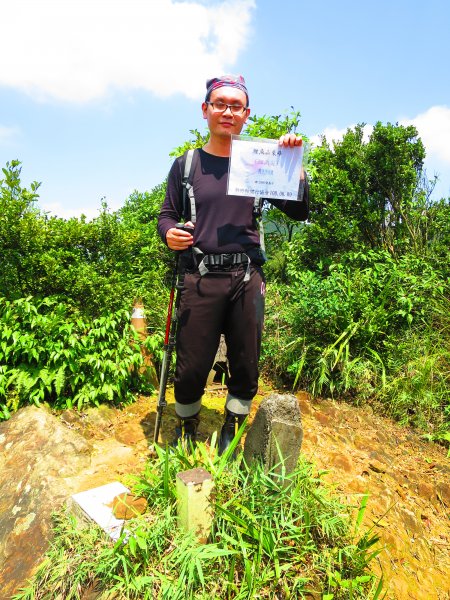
x=260, y=167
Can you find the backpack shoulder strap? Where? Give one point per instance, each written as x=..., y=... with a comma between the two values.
x=191, y=159
x=258, y=214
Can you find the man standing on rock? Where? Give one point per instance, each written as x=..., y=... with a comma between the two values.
x=224, y=286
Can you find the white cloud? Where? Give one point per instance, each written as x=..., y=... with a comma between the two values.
x=7, y=134
x=77, y=50
x=333, y=134
x=434, y=130
x=56, y=209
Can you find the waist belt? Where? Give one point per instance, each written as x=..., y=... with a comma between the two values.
x=225, y=260
x=221, y=261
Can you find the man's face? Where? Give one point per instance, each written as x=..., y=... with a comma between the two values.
x=225, y=123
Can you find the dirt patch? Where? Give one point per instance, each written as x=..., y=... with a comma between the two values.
x=407, y=479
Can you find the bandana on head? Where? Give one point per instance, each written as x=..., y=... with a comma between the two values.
x=236, y=81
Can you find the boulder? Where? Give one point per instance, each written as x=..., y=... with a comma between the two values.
x=39, y=460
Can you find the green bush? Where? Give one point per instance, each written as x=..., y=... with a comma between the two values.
x=20, y=226
x=49, y=353
x=350, y=333
x=98, y=266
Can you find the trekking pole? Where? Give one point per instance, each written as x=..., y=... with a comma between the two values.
x=170, y=336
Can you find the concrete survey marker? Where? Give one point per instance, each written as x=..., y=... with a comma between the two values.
x=276, y=434
x=194, y=490
x=97, y=505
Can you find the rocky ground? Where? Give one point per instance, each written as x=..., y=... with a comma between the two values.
x=406, y=477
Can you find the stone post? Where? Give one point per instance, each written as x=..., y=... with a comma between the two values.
x=276, y=429
x=194, y=488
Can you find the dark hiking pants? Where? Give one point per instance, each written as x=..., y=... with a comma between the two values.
x=219, y=302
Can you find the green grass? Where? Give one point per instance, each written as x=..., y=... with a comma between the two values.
x=273, y=536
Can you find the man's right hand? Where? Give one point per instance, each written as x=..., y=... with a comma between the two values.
x=178, y=239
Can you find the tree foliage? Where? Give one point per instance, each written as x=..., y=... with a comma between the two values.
x=98, y=266
x=20, y=222
x=366, y=285
x=367, y=194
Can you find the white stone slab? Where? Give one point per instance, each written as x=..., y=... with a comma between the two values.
x=96, y=505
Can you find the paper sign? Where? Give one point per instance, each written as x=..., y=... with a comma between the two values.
x=261, y=168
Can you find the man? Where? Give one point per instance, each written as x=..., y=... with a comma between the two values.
x=227, y=294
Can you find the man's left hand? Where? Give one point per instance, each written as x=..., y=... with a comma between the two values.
x=289, y=140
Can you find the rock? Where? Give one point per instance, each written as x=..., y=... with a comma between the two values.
x=323, y=418
x=442, y=469
x=39, y=455
x=393, y=543
x=221, y=354
x=130, y=433
x=99, y=417
x=276, y=429
x=412, y=523
x=381, y=456
x=382, y=437
x=220, y=365
x=366, y=445
x=342, y=461
x=312, y=437
x=443, y=490
x=127, y=506
x=426, y=490
x=304, y=403
x=377, y=466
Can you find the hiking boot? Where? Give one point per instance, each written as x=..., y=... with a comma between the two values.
x=229, y=430
x=186, y=430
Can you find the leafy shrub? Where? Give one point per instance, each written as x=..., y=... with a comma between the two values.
x=418, y=376
x=98, y=266
x=351, y=331
x=151, y=263
x=20, y=223
x=367, y=195
x=49, y=353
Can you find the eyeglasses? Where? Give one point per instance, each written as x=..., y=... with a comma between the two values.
x=236, y=109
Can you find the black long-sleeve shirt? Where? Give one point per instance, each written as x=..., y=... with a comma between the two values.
x=225, y=224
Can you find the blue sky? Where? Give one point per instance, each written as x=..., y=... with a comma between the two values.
x=94, y=94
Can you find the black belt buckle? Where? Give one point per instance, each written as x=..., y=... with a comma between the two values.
x=227, y=260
